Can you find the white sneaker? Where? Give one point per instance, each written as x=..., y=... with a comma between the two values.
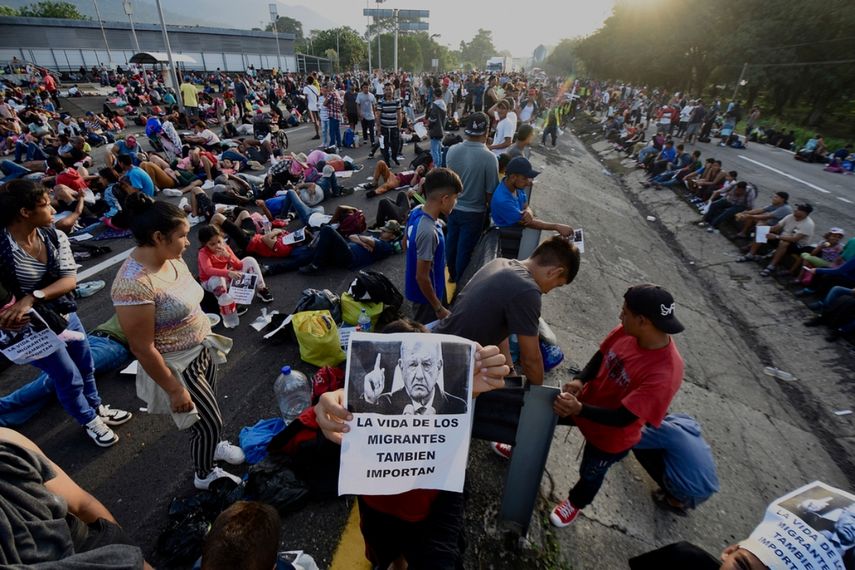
x=194, y=220
x=216, y=473
x=184, y=203
x=229, y=453
x=113, y=417
x=208, y=185
x=102, y=435
x=172, y=192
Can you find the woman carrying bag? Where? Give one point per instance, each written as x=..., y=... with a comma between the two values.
x=157, y=302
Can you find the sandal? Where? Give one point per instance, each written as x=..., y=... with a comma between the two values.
x=766, y=272
x=660, y=498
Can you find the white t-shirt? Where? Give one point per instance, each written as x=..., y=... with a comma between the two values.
x=525, y=114
x=323, y=112
x=790, y=226
x=505, y=129
x=311, y=93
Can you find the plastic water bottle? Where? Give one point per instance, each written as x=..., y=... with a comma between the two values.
x=364, y=321
x=228, y=310
x=293, y=393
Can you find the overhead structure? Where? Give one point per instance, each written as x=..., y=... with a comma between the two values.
x=404, y=21
x=154, y=57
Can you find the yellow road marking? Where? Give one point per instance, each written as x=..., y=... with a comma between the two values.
x=350, y=552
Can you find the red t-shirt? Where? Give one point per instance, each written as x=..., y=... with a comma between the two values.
x=258, y=247
x=642, y=381
x=71, y=178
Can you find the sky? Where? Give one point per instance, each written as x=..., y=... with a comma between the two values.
x=518, y=26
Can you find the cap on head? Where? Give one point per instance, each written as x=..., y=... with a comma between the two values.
x=521, y=165
x=476, y=125
x=328, y=171
x=393, y=227
x=656, y=304
x=837, y=230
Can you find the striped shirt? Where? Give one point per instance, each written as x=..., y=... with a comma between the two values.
x=389, y=112
x=30, y=271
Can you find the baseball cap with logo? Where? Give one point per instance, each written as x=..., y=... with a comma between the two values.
x=476, y=125
x=521, y=165
x=656, y=304
x=131, y=141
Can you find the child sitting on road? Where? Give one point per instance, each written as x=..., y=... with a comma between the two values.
x=218, y=265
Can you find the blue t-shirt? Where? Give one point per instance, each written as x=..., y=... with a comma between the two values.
x=669, y=154
x=425, y=240
x=362, y=257
x=140, y=180
x=125, y=149
x=505, y=208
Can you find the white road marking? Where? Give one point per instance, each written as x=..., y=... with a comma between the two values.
x=845, y=200
x=116, y=259
x=784, y=174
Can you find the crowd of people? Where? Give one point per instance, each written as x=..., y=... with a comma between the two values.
x=257, y=203
x=779, y=235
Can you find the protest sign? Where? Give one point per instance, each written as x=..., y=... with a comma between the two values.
x=760, y=233
x=242, y=290
x=812, y=527
x=295, y=237
x=579, y=239
x=31, y=342
x=410, y=395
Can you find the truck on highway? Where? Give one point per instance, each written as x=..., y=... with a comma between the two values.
x=500, y=64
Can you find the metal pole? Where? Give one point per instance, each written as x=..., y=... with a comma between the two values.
x=395, y=59
x=103, y=33
x=129, y=10
x=278, y=50
x=368, y=36
x=172, y=71
x=337, y=52
x=379, y=57
x=739, y=81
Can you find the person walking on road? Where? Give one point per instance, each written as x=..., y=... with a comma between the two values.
x=157, y=302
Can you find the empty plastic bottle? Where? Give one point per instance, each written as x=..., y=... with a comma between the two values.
x=228, y=310
x=364, y=321
x=293, y=393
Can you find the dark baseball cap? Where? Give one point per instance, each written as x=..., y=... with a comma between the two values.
x=784, y=195
x=806, y=208
x=521, y=165
x=656, y=304
x=476, y=125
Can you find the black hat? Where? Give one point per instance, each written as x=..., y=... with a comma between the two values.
x=806, y=208
x=476, y=125
x=656, y=304
x=521, y=165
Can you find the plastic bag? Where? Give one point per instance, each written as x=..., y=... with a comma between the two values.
x=272, y=481
x=317, y=335
x=351, y=309
x=318, y=300
x=327, y=379
x=254, y=439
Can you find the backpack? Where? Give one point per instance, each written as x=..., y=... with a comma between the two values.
x=377, y=288
x=349, y=139
x=352, y=223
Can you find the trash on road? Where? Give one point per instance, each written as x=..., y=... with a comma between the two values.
x=651, y=218
x=779, y=374
x=842, y=412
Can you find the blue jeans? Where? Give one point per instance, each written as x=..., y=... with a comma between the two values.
x=436, y=152
x=461, y=237
x=329, y=186
x=334, y=132
x=73, y=373
x=325, y=132
x=281, y=205
x=11, y=171
x=834, y=294
x=592, y=471
x=32, y=149
x=235, y=157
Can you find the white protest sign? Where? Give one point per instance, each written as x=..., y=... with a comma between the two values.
x=812, y=527
x=31, y=342
x=579, y=239
x=760, y=233
x=295, y=237
x=411, y=399
x=242, y=290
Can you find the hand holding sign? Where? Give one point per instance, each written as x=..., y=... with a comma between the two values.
x=331, y=415
x=375, y=381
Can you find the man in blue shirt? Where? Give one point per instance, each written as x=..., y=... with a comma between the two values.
x=136, y=176
x=680, y=461
x=128, y=146
x=508, y=206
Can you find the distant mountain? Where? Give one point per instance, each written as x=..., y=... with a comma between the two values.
x=216, y=13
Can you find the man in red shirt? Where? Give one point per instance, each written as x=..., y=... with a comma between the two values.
x=628, y=383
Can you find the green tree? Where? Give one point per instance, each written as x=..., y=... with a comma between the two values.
x=347, y=45
x=479, y=50
x=288, y=25
x=52, y=9
x=563, y=58
x=7, y=11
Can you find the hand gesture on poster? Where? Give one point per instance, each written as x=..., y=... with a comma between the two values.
x=375, y=381
x=331, y=415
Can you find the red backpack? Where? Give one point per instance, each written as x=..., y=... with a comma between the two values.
x=352, y=223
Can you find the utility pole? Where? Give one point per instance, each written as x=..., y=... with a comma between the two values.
x=129, y=10
x=379, y=57
x=274, y=18
x=172, y=71
x=103, y=33
x=739, y=81
x=395, y=70
x=368, y=36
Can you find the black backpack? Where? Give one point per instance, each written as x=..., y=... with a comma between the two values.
x=376, y=288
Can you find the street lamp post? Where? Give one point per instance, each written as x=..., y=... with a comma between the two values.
x=379, y=57
x=172, y=71
x=129, y=10
x=274, y=17
x=103, y=33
